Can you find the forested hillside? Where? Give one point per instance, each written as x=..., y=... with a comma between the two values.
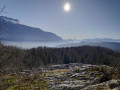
x=13, y=59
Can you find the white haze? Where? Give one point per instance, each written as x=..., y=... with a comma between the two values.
x=28, y=45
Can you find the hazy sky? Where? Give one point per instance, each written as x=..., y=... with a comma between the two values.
x=86, y=19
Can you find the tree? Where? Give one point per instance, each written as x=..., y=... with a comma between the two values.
x=1, y=61
x=2, y=9
x=66, y=59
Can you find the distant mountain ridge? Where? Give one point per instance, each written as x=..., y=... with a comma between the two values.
x=102, y=40
x=12, y=30
x=107, y=44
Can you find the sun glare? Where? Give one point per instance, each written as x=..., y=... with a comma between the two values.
x=67, y=7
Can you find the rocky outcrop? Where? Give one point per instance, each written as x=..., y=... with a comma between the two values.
x=63, y=77
x=108, y=85
x=80, y=77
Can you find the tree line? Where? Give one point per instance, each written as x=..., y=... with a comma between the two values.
x=14, y=59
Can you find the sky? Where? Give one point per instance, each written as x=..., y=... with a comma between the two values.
x=87, y=18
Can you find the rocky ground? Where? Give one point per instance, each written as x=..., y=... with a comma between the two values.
x=62, y=77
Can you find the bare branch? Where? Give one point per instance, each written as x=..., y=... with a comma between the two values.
x=2, y=9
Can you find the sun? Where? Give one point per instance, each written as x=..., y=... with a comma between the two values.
x=67, y=7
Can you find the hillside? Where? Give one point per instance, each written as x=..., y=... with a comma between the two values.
x=12, y=30
x=74, y=76
x=111, y=45
x=59, y=68
x=14, y=59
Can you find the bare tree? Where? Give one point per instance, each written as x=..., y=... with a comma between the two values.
x=1, y=60
x=2, y=9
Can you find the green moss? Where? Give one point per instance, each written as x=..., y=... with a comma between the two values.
x=87, y=75
x=23, y=82
x=14, y=88
x=97, y=76
x=99, y=88
x=77, y=70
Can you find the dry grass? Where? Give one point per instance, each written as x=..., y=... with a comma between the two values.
x=60, y=71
